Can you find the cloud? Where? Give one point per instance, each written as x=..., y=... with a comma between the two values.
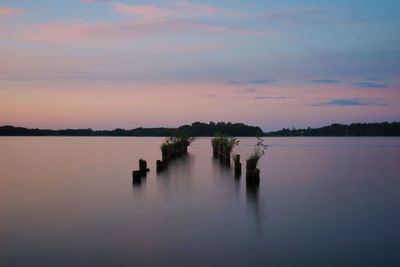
x=172, y=10
x=150, y=12
x=272, y=97
x=351, y=102
x=95, y=1
x=192, y=8
x=249, y=90
x=326, y=81
x=311, y=16
x=72, y=31
x=374, y=79
x=262, y=81
x=204, y=8
x=257, y=81
x=370, y=85
x=6, y=11
x=176, y=17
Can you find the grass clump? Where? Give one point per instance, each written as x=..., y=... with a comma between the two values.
x=258, y=152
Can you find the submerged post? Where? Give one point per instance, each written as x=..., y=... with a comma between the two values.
x=137, y=176
x=143, y=166
x=252, y=172
x=160, y=166
x=238, y=166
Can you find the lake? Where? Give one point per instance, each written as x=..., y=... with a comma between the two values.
x=70, y=201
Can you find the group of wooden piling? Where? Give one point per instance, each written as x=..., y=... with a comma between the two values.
x=174, y=147
x=171, y=150
x=222, y=149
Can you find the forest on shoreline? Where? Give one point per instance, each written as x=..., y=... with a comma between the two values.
x=221, y=128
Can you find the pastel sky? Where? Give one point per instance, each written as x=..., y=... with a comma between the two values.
x=105, y=64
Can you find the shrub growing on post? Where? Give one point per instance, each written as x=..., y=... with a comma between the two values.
x=175, y=146
x=222, y=148
x=252, y=172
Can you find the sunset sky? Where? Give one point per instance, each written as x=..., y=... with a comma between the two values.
x=105, y=64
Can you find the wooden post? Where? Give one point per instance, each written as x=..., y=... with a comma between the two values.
x=143, y=166
x=253, y=176
x=215, y=150
x=238, y=166
x=160, y=166
x=164, y=153
x=137, y=176
x=227, y=157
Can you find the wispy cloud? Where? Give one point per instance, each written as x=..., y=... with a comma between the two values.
x=95, y=1
x=148, y=12
x=261, y=81
x=73, y=31
x=256, y=81
x=249, y=90
x=374, y=79
x=6, y=11
x=273, y=97
x=326, y=81
x=369, y=85
x=204, y=8
x=176, y=17
x=351, y=102
x=173, y=10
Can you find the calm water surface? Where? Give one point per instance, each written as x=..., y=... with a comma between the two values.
x=321, y=202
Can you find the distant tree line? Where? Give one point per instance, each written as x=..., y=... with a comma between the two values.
x=354, y=129
x=195, y=129
x=222, y=128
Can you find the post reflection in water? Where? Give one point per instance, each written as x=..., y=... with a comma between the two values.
x=253, y=199
x=137, y=184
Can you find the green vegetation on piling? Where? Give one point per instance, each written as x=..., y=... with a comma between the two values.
x=252, y=171
x=223, y=146
x=175, y=145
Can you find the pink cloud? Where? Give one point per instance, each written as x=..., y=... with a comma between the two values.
x=151, y=12
x=172, y=10
x=95, y=1
x=73, y=31
x=192, y=8
x=8, y=11
x=171, y=17
x=207, y=9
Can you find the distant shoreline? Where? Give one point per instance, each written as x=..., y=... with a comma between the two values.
x=198, y=129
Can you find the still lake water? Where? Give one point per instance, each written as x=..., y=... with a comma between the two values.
x=70, y=201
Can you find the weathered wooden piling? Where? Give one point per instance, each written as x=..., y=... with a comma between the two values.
x=222, y=148
x=238, y=166
x=215, y=149
x=143, y=166
x=253, y=176
x=160, y=166
x=174, y=147
x=137, y=176
x=252, y=172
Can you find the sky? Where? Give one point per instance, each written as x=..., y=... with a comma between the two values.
x=106, y=64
